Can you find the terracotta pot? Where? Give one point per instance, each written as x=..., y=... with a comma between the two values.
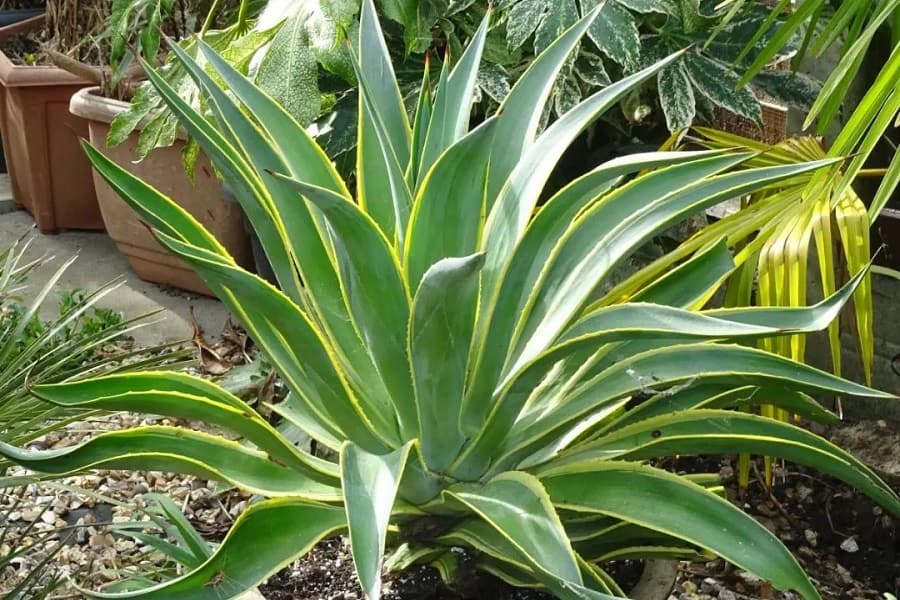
x=163, y=170
x=49, y=173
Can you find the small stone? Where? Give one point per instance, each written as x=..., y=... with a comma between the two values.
x=811, y=537
x=48, y=517
x=850, y=545
x=882, y=424
x=726, y=473
x=787, y=536
x=803, y=492
x=844, y=574
x=100, y=540
x=30, y=514
x=708, y=585
x=689, y=587
x=727, y=595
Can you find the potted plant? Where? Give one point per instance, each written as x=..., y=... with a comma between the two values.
x=127, y=120
x=49, y=175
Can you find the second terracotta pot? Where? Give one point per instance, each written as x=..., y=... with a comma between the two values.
x=50, y=176
x=162, y=169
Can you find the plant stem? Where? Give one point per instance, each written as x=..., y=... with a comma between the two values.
x=242, y=15
x=872, y=173
x=211, y=16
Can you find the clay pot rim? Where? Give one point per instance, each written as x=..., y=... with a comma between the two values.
x=88, y=103
x=13, y=75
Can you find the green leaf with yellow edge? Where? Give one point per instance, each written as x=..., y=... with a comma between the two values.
x=265, y=538
x=375, y=292
x=179, y=451
x=440, y=333
x=369, y=483
x=667, y=503
x=185, y=397
x=295, y=348
x=708, y=431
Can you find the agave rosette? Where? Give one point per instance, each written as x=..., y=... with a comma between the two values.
x=438, y=334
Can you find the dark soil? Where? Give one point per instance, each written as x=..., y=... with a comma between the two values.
x=24, y=49
x=327, y=573
x=848, y=545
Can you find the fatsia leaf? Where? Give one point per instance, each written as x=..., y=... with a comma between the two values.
x=289, y=70
x=524, y=18
x=796, y=89
x=667, y=503
x=369, y=483
x=614, y=32
x=560, y=16
x=676, y=97
x=719, y=84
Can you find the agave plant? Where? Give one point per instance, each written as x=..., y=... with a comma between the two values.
x=438, y=335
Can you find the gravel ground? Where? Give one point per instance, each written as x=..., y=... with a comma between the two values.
x=847, y=544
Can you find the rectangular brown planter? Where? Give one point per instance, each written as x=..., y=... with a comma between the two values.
x=50, y=175
x=162, y=169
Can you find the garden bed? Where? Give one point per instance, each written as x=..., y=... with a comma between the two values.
x=846, y=544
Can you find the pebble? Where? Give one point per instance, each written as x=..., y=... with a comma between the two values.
x=803, y=492
x=850, y=545
x=689, y=587
x=811, y=537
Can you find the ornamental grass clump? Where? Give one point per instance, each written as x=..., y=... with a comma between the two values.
x=440, y=335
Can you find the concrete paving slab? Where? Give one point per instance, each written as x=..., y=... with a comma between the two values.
x=98, y=262
x=6, y=199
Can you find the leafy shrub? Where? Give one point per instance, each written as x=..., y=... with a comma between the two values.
x=444, y=340
x=83, y=339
